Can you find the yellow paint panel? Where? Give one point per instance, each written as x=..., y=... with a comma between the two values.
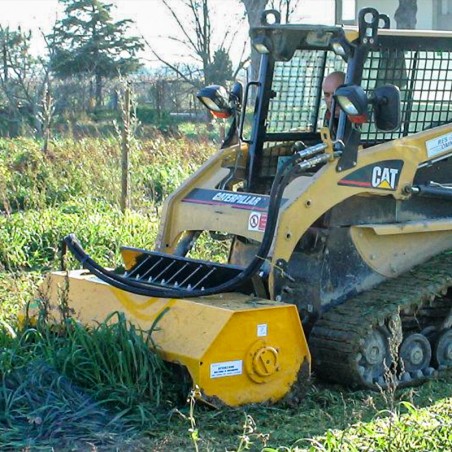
x=270, y=363
x=391, y=250
x=409, y=227
x=129, y=257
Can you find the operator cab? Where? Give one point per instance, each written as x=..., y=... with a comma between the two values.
x=388, y=91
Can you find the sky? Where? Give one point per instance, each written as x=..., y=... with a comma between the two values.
x=152, y=21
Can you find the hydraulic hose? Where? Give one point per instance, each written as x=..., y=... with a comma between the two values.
x=281, y=180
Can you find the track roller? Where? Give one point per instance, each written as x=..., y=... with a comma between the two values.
x=415, y=355
x=374, y=357
x=443, y=349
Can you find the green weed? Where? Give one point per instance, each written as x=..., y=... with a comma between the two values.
x=16, y=288
x=415, y=430
x=67, y=382
x=32, y=239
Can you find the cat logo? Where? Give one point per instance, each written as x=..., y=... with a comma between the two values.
x=383, y=177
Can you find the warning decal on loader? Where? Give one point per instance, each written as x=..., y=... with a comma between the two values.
x=383, y=175
x=257, y=221
x=439, y=145
x=226, y=369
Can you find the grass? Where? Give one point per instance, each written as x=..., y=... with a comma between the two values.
x=66, y=385
x=31, y=239
x=72, y=388
x=16, y=289
x=329, y=418
x=417, y=429
x=42, y=409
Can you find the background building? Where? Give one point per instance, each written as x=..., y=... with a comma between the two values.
x=431, y=14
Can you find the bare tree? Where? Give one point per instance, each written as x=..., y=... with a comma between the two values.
x=254, y=10
x=210, y=61
x=405, y=14
x=285, y=7
x=23, y=79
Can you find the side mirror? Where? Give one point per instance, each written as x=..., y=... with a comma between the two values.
x=386, y=101
x=221, y=103
x=216, y=99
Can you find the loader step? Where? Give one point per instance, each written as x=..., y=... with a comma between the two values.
x=166, y=270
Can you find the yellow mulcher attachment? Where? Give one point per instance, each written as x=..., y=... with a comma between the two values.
x=238, y=349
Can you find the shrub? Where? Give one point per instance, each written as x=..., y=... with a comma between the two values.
x=91, y=168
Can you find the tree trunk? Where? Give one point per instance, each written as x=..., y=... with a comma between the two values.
x=405, y=15
x=14, y=116
x=5, y=61
x=159, y=97
x=98, y=91
x=13, y=123
x=254, y=10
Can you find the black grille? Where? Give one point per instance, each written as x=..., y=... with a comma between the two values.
x=424, y=78
x=298, y=88
x=423, y=75
x=165, y=270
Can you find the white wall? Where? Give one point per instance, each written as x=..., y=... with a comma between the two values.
x=424, y=14
x=314, y=12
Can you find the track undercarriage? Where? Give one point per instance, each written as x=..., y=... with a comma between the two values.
x=397, y=333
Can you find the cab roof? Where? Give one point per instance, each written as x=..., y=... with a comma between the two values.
x=281, y=40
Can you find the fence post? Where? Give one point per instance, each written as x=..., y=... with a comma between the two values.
x=125, y=149
x=46, y=119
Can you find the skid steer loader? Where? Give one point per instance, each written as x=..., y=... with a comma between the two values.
x=340, y=231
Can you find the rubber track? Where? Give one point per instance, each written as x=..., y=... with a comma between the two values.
x=336, y=337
